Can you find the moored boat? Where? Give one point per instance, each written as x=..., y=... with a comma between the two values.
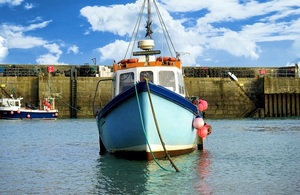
x=149, y=115
x=11, y=108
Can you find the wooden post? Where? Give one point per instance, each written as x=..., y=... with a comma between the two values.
x=279, y=105
x=284, y=104
x=297, y=105
x=288, y=104
x=271, y=105
x=200, y=143
x=293, y=105
x=267, y=114
x=275, y=105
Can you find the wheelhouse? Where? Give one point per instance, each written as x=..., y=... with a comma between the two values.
x=169, y=77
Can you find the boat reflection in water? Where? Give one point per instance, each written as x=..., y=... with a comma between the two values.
x=122, y=176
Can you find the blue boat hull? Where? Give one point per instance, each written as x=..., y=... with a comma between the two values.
x=28, y=114
x=127, y=124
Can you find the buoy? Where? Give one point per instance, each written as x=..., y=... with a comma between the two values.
x=11, y=112
x=28, y=115
x=202, y=132
x=204, y=103
x=200, y=107
x=198, y=122
x=209, y=128
x=56, y=114
x=18, y=111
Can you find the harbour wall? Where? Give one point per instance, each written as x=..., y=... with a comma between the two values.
x=256, y=93
x=248, y=97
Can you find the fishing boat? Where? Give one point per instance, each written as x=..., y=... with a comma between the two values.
x=149, y=115
x=11, y=108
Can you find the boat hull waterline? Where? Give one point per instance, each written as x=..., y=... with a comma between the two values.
x=127, y=127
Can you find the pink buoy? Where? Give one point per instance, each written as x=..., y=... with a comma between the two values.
x=198, y=122
x=200, y=107
x=202, y=132
x=11, y=112
x=204, y=103
x=56, y=114
x=28, y=115
x=18, y=111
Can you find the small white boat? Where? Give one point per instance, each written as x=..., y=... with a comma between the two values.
x=11, y=108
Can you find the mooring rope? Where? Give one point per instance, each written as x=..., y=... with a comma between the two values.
x=157, y=128
x=144, y=131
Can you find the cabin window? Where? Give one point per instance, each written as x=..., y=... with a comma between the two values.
x=126, y=81
x=17, y=104
x=167, y=79
x=146, y=74
x=11, y=103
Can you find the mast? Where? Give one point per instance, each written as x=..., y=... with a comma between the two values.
x=149, y=22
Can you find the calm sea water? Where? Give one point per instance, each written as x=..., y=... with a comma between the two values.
x=61, y=157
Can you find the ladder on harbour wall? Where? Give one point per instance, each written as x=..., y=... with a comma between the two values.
x=73, y=92
x=250, y=109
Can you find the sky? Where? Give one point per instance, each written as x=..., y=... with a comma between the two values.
x=214, y=33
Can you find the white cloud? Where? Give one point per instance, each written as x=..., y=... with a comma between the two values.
x=37, y=25
x=53, y=55
x=73, y=49
x=3, y=49
x=265, y=32
x=15, y=38
x=235, y=44
x=11, y=2
x=49, y=58
x=28, y=6
x=15, y=35
x=113, y=51
x=25, y=42
x=53, y=48
x=105, y=19
x=117, y=19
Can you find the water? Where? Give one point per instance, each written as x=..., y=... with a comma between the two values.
x=61, y=157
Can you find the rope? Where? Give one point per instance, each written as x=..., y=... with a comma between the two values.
x=135, y=31
x=157, y=128
x=144, y=131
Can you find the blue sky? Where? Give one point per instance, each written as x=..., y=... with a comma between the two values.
x=213, y=33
